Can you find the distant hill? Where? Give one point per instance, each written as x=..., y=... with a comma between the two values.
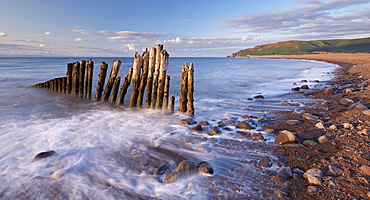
x=296, y=47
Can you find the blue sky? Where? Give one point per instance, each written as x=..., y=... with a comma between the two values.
x=186, y=28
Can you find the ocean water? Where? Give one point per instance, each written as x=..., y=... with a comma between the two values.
x=105, y=151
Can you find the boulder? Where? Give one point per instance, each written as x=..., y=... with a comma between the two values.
x=205, y=168
x=314, y=176
x=185, y=169
x=162, y=170
x=329, y=92
x=285, y=137
x=42, y=155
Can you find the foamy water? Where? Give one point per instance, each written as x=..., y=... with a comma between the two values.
x=105, y=151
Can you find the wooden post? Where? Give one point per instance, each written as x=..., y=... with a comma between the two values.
x=112, y=78
x=102, y=75
x=156, y=75
x=166, y=92
x=143, y=78
x=89, y=78
x=64, y=85
x=138, y=62
x=172, y=104
x=149, y=83
x=75, y=79
x=55, y=87
x=115, y=90
x=125, y=85
x=184, y=88
x=161, y=78
x=191, y=89
x=59, y=85
x=69, y=78
x=81, y=80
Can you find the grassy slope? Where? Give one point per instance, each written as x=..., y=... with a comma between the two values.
x=296, y=47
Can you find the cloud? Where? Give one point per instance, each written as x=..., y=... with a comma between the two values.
x=42, y=45
x=3, y=34
x=80, y=39
x=319, y=18
x=224, y=41
x=44, y=34
x=122, y=35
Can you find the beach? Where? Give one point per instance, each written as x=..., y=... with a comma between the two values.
x=342, y=117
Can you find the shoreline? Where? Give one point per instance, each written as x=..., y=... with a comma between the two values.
x=347, y=150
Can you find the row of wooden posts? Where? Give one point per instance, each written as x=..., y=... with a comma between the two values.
x=147, y=76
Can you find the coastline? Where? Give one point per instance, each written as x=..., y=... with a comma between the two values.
x=347, y=150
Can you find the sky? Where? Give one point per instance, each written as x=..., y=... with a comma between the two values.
x=191, y=28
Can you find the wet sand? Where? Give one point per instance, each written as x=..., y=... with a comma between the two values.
x=348, y=146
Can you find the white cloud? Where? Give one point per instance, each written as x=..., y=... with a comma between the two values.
x=42, y=45
x=44, y=34
x=331, y=17
x=3, y=34
x=130, y=47
x=80, y=39
x=122, y=35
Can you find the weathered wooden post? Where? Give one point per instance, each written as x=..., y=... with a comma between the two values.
x=64, y=85
x=115, y=90
x=81, y=78
x=156, y=76
x=59, y=85
x=75, y=78
x=149, y=83
x=125, y=85
x=112, y=78
x=138, y=62
x=89, y=78
x=172, y=104
x=191, y=89
x=69, y=78
x=166, y=92
x=161, y=78
x=102, y=75
x=143, y=78
x=184, y=89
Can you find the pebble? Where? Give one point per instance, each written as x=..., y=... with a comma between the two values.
x=365, y=169
x=311, y=189
x=281, y=194
x=309, y=116
x=215, y=131
x=364, y=132
x=309, y=143
x=314, y=176
x=42, y=155
x=259, y=97
x=305, y=87
x=188, y=121
x=184, y=170
x=197, y=128
x=266, y=162
x=320, y=125
x=329, y=92
x=244, y=125
x=270, y=131
x=293, y=122
x=205, y=168
x=323, y=139
x=258, y=136
x=366, y=112
x=346, y=101
x=358, y=106
x=335, y=170
x=348, y=126
x=333, y=127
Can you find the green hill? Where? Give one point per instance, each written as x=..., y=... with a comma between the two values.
x=296, y=47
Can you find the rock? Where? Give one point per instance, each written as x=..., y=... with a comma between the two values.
x=285, y=137
x=259, y=97
x=42, y=155
x=245, y=117
x=244, y=125
x=323, y=139
x=366, y=112
x=335, y=170
x=270, y=131
x=309, y=116
x=205, y=168
x=162, y=170
x=314, y=176
x=188, y=121
x=305, y=87
x=266, y=162
x=359, y=106
x=257, y=136
x=329, y=92
x=315, y=81
x=279, y=178
x=204, y=123
x=215, y=131
x=197, y=128
x=364, y=132
x=185, y=169
x=296, y=89
x=293, y=122
x=333, y=127
x=347, y=91
x=281, y=194
x=303, y=81
x=365, y=169
x=346, y=101
x=309, y=143
x=320, y=125
x=348, y=126
x=311, y=189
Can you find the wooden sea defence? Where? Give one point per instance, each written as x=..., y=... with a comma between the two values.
x=150, y=84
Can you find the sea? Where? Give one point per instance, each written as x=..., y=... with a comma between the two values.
x=105, y=151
